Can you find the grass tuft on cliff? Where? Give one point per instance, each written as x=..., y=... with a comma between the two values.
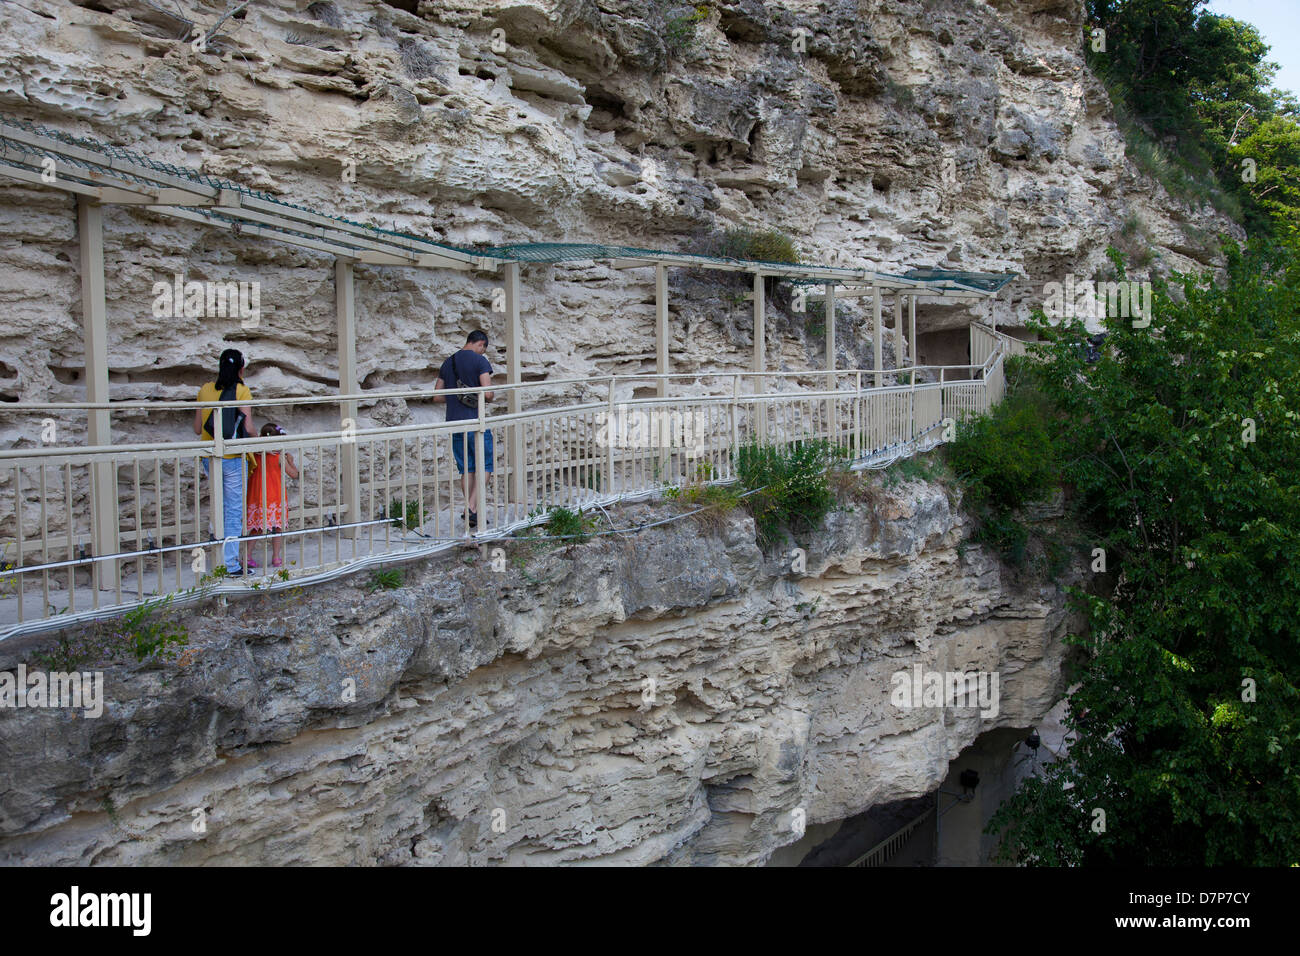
x=145, y=634
x=761, y=245
x=711, y=503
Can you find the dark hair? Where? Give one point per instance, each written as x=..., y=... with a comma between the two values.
x=478, y=335
x=271, y=428
x=232, y=361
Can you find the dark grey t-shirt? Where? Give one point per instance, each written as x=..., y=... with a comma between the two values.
x=471, y=366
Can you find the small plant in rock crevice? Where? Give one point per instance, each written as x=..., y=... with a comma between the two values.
x=565, y=523
x=386, y=579
x=143, y=635
x=790, y=486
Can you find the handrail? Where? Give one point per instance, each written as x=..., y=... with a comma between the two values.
x=253, y=443
x=113, y=525
x=371, y=396
x=1012, y=344
x=886, y=848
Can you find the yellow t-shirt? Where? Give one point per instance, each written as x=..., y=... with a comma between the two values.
x=209, y=393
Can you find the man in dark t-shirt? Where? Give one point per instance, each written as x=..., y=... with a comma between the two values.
x=468, y=369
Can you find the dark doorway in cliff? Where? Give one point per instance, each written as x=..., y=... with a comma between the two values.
x=944, y=347
x=949, y=821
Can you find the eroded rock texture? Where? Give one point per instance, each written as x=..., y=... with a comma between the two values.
x=671, y=696
x=877, y=134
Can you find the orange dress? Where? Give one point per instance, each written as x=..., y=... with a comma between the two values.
x=265, y=514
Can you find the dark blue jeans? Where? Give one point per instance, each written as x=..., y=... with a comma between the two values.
x=458, y=450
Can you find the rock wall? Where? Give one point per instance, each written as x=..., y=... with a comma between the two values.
x=671, y=696
x=878, y=134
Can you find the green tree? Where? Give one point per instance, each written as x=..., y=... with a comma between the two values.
x=1182, y=446
x=1273, y=147
x=1151, y=45
x=1190, y=87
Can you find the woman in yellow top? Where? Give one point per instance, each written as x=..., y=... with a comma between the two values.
x=235, y=423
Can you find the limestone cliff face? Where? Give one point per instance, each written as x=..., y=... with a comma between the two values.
x=877, y=134
x=672, y=696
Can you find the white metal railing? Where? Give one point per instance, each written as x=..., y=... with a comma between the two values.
x=367, y=495
x=984, y=341
x=882, y=852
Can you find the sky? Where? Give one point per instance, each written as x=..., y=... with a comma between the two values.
x=1277, y=21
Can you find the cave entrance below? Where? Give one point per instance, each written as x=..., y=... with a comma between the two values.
x=944, y=827
x=843, y=842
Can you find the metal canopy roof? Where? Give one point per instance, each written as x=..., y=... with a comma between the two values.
x=39, y=156
x=45, y=157
x=632, y=257
x=925, y=281
x=984, y=281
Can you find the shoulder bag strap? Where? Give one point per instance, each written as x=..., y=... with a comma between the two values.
x=460, y=379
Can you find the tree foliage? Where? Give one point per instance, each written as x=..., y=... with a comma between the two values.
x=1182, y=445
x=1274, y=147
x=1198, y=84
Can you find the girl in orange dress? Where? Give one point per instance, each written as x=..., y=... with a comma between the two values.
x=266, y=508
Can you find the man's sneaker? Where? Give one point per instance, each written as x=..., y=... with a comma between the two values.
x=473, y=519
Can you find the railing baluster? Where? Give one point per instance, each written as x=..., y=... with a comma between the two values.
x=405, y=496
x=45, y=546
x=611, y=439
x=370, y=495
x=157, y=521
x=566, y=492
x=419, y=478
x=96, y=566
x=456, y=510
x=18, y=561
x=72, y=568
x=200, y=539
x=340, y=517
x=435, y=464
x=388, y=496
x=139, y=540
x=526, y=505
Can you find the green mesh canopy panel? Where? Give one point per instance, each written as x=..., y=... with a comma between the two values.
x=575, y=251
x=559, y=252
x=984, y=281
x=115, y=161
